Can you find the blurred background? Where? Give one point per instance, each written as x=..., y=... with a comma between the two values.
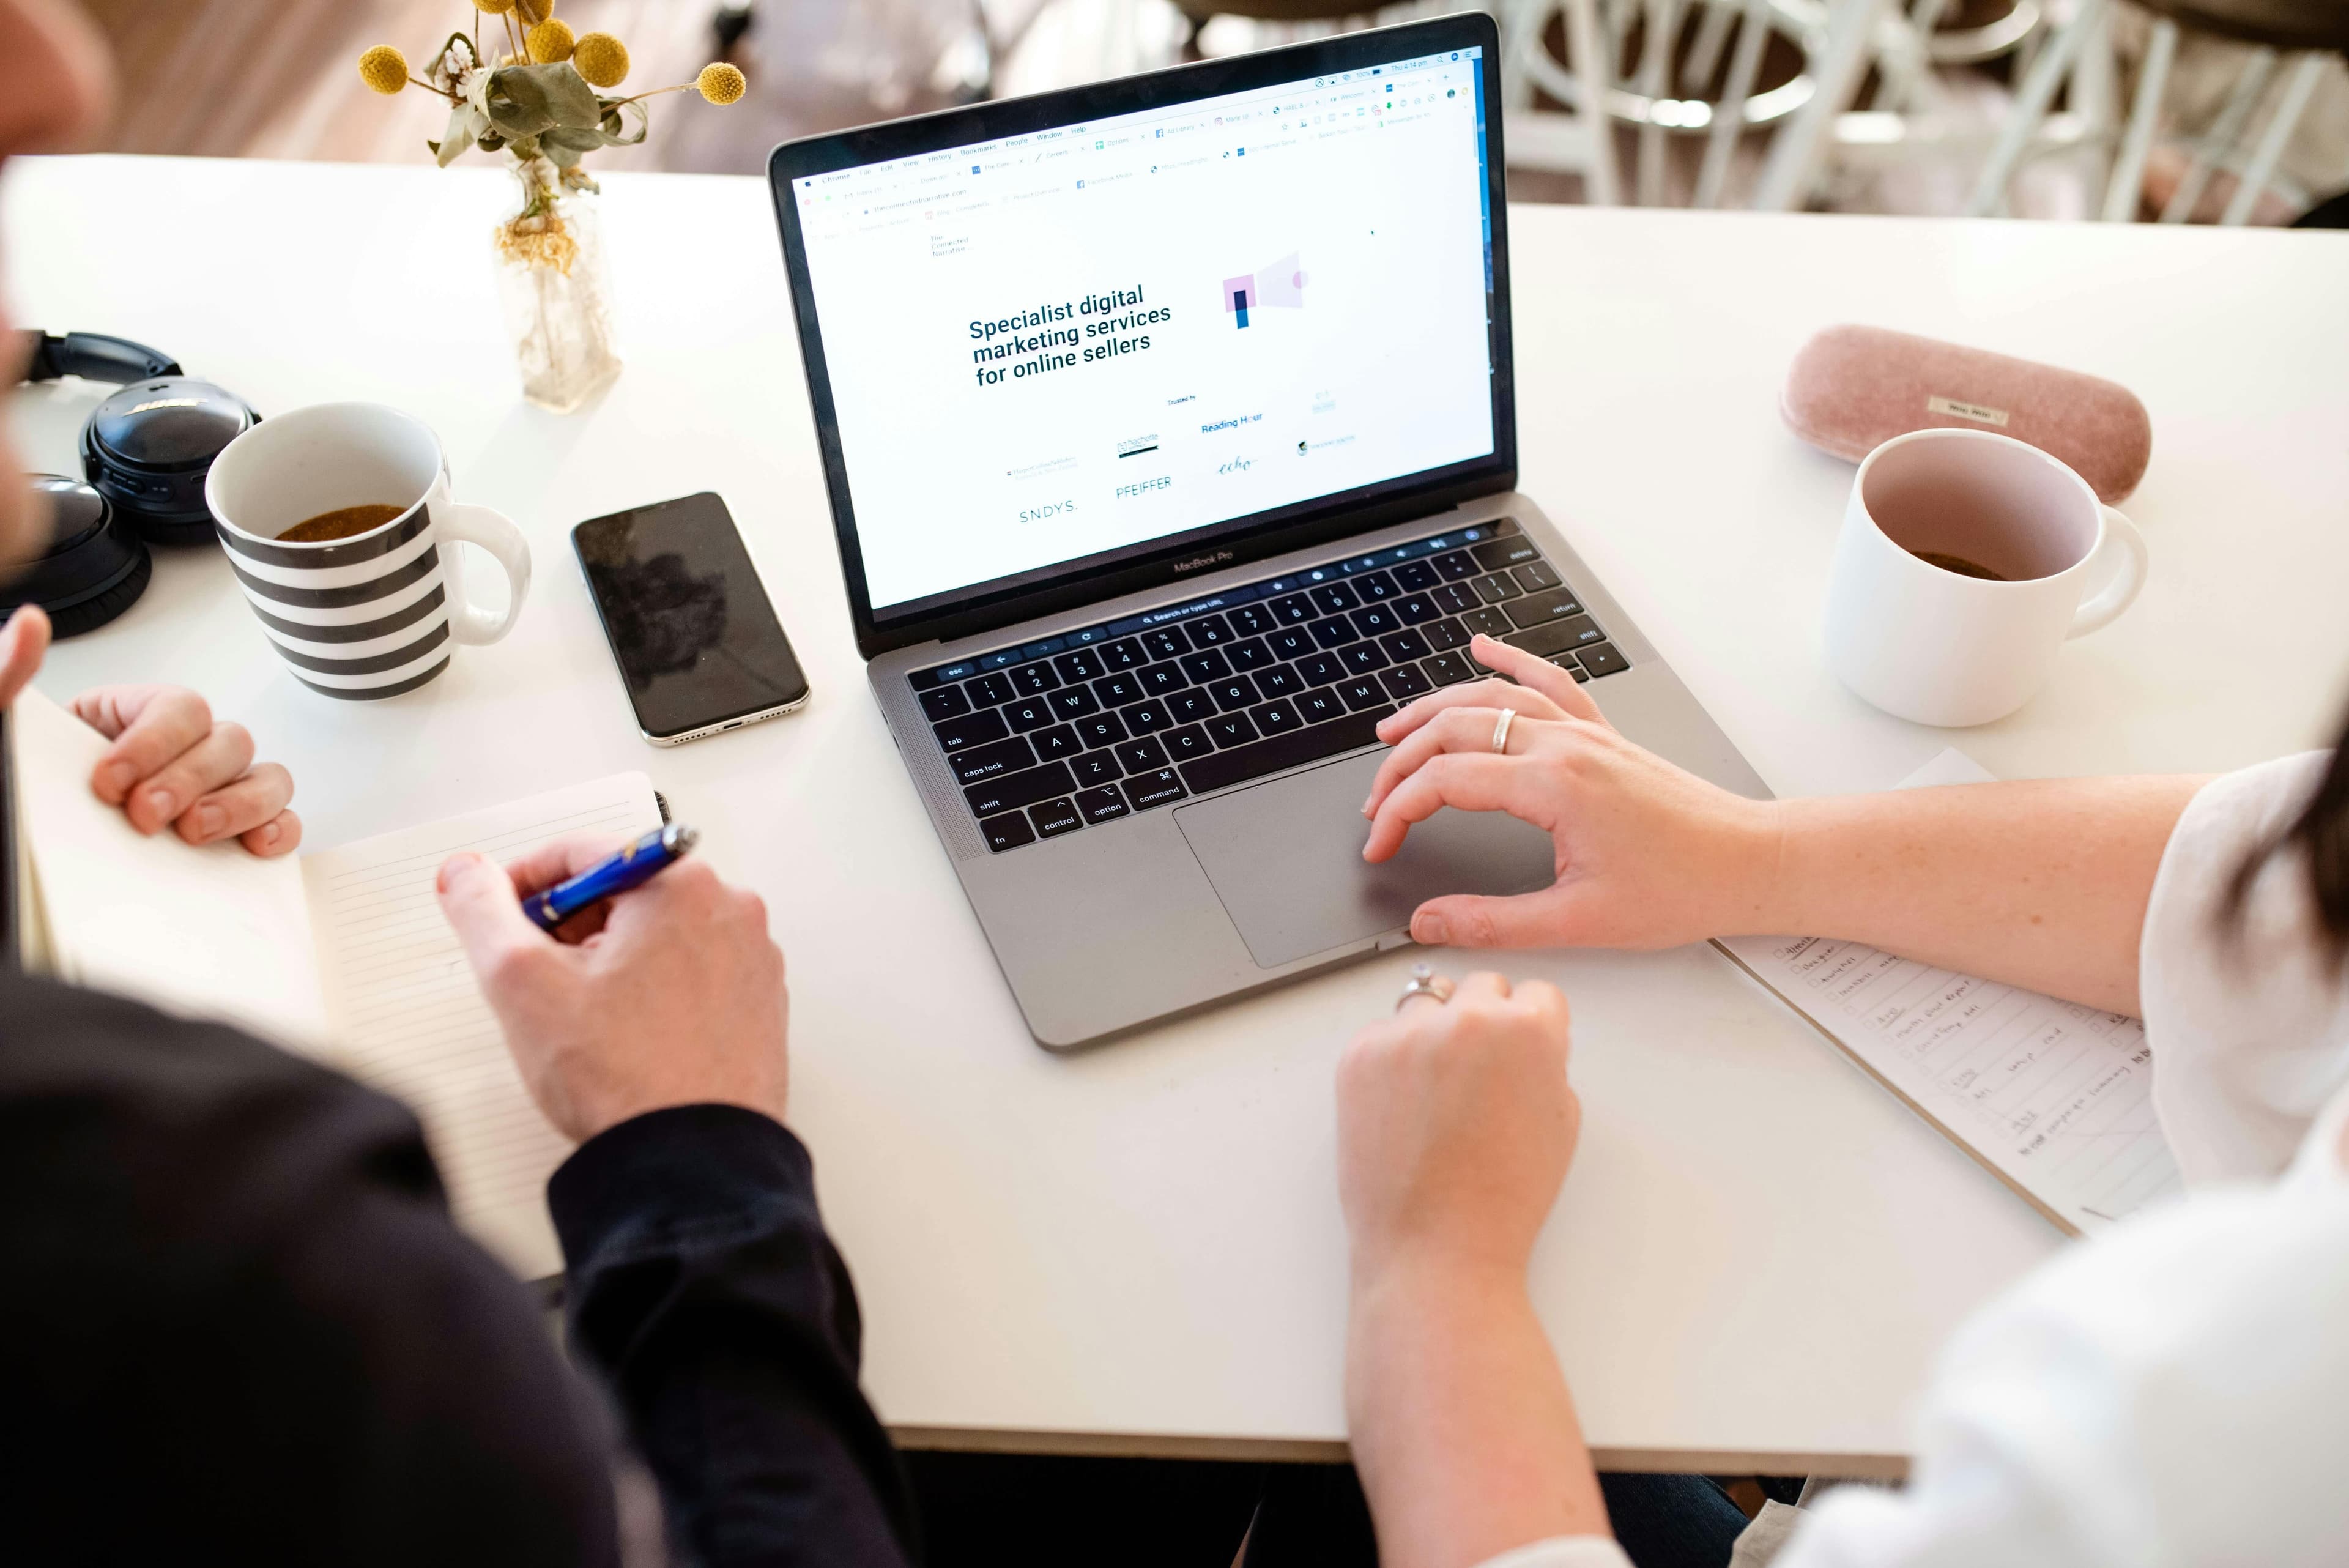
x=2218, y=110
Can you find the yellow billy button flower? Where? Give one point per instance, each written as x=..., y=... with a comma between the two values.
x=494, y=8
x=602, y=59
x=533, y=11
x=384, y=68
x=721, y=83
x=550, y=42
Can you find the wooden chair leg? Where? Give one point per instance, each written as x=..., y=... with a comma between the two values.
x=1799, y=149
x=2229, y=126
x=2126, y=189
x=1729, y=109
x=2296, y=90
x=2029, y=110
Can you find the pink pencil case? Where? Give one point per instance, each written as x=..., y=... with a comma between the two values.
x=1852, y=388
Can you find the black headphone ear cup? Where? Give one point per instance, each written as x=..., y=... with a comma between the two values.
x=93, y=613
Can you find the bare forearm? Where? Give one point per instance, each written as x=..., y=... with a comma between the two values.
x=1462, y=1427
x=2040, y=883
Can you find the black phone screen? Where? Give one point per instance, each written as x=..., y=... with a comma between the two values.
x=697, y=640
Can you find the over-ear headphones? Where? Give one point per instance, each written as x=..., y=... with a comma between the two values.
x=148, y=448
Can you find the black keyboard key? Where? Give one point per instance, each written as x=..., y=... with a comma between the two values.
x=1235, y=691
x=1034, y=679
x=1085, y=664
x=1486, y=621
x=1454, y=598
x=1277, y=718
x=970, y=730
x=1101, y=804
x=1413, y=576
x=1124, y=654
x=1252, y=621
x=1333, y=597
x=1362, y=658
x=1601, y=659
x=1249, y=655
x=1059, y=741
x=1190, y=707
x=1018, y=789
x=1335, y=632
x=1495, y=587
x=1291, y=642
x=1567, y=662
x=944, y=702
x=1009, y=831
x=1098, y=767
x=1208, y=630
x=1557, y=635
x=1026, y=713
x=1186, y=742
x=1279, y=681
x=1416, y=610
x=1147, y=716
x=1321, y=669
x=1206, y=667
x=1153, y=789
x=989, y=691
x=1101, y=730
x=1374, y=586
x=1117, y=690
x=1404, y=682
x=1362, y=691
x=1444, y=634
x=1375, y=620
x=1536, y=575
x=1294, y=610
x=1072, y=703
x=1499, y=554
x=1553, y=604
x=986, y=762
x=1055, y=817
x=1231, y=730
x=1449, y=669
x=1456, y=567
x=1141, y=756
x=1166, y=642
x=1270, y=756
x=1402, y=645
x=1166, y=676
x=1321, y=705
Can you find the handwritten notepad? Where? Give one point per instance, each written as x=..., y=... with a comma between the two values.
x=342, y=954
x=2056, y=1099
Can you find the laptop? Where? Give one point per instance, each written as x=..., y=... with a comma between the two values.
x=1169, y=430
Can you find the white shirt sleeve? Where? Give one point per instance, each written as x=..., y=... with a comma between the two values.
x=1562, y=1552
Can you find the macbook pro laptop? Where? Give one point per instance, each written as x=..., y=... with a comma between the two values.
x=1171, y=441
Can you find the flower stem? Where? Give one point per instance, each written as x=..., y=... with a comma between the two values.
x=427, y=86
x=655, y=93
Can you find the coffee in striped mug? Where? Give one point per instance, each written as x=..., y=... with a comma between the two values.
x=364, y=613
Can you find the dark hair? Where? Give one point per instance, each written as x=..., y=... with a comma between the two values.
x=2322, y=834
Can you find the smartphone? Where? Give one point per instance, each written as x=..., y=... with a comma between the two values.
x=696, y=641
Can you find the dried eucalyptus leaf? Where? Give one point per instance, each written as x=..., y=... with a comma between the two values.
x=516, y=104
x=564, y=147
x=614, y=125
x=557, y=92
x=457, y=137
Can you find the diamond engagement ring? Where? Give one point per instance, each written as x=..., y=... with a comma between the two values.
x=1501, y=731
x=1424, y=981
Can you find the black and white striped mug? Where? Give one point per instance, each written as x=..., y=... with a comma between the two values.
x=375, y=614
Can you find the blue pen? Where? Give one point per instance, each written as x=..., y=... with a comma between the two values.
x=614, y=875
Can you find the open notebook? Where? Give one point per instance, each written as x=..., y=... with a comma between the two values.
x=340, y=954
x=2054, y=1098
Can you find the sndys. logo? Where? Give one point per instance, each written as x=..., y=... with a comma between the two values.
x=1049, y=509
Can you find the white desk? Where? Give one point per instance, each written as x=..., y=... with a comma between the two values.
x=1139, y=1248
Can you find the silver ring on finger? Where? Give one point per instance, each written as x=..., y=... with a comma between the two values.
x=1501, y=731
x=1425, y=981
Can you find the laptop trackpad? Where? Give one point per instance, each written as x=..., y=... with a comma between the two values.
x=1285, y=858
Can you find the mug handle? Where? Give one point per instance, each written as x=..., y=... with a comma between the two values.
x=2122, y=584
x=493, y=531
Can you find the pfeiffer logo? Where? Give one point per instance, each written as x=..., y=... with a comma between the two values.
x=1049, y=509
x=1195, y=562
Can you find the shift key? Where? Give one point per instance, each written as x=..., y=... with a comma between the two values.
x=1019, y=789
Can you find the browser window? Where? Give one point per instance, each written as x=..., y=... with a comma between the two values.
x=1086, y=337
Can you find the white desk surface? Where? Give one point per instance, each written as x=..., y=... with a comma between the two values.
x=1139, y=1248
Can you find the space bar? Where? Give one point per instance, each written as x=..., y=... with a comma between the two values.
x=1283, y=752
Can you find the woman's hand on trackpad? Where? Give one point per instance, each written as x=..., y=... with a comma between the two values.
x=1647, y=855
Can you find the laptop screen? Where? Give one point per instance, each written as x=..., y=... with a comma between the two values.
x=1050, y=348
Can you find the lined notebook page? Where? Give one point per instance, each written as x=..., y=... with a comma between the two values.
x=2055, y=1098
x=409, y=1020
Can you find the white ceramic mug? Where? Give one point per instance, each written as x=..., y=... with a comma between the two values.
x=373, y=615
x=1942, y=647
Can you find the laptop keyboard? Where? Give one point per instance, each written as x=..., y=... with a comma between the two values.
x=1051, y=737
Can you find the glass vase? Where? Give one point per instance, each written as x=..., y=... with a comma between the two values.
x=556, y=289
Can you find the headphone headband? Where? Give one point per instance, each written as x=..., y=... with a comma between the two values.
x=95, y=357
